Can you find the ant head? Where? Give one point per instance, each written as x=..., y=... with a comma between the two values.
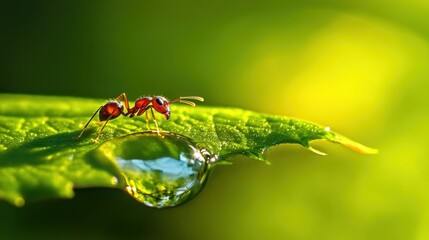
x=161, y=105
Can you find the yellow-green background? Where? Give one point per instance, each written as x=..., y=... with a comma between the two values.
x=361, y=67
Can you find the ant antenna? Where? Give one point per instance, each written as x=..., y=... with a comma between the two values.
x=185, y=100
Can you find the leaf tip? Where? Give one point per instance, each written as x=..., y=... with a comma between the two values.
x=359, y=148
x=355, y=146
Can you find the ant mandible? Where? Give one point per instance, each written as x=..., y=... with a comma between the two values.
x=114, y=109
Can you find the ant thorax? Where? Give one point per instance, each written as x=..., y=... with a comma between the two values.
x=142, y=102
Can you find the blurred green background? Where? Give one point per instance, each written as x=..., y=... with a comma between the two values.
x=361, y=67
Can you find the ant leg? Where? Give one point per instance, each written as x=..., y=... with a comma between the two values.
x=86, y=125
x=145, y=110
x=104, y=125
x=124, y=97
x=140, y=112
x=147, y=121
x=154, y=120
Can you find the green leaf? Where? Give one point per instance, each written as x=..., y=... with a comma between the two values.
x=40, y=159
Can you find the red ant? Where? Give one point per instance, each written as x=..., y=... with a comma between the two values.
x=114, y=109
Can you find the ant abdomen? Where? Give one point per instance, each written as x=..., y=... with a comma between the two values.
x=111, y=110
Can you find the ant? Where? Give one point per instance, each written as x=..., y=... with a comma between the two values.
x=114, y=109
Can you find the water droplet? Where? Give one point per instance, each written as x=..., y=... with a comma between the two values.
x=159, y=171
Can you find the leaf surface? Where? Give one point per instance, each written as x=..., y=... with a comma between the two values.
x=39, y=158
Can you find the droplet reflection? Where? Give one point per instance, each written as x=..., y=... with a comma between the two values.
x=159, y=171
